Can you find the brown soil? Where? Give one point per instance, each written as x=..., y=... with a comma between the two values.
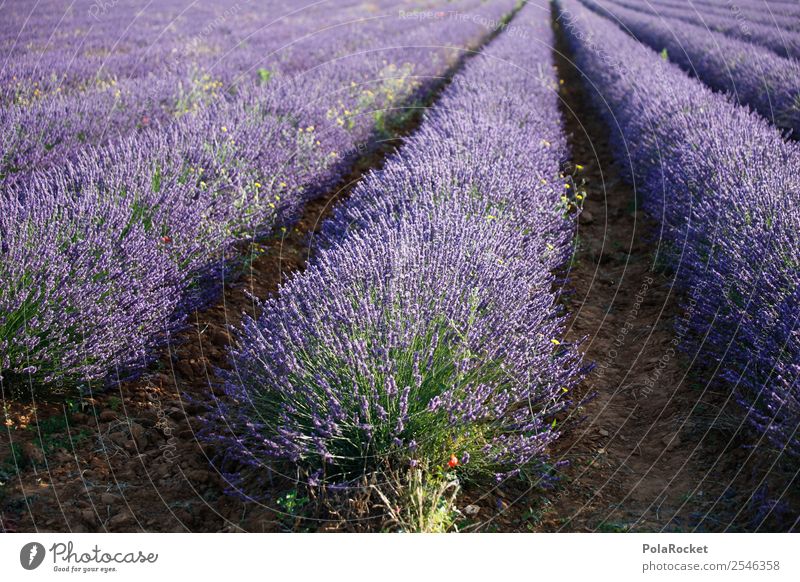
x=631, y=465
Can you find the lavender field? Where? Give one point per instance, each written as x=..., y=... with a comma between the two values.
x=416, y=266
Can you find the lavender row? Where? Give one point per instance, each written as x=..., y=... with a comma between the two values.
x=785, y=43
x=724, y=185
x=49, y=49
x=776, y=15
x=754, y=76
x=51, y=129
x=102, y=256
x=757, y=21
x=425, y=332
x=237, y=47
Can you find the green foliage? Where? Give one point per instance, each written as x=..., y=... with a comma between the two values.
x=294, y=506
x=264, y=75
x=115, y=403
x=353, y=448
x=420, y=501
x=15, y=460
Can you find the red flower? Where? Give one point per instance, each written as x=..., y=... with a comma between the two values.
x=166, y=239
x=453, y=462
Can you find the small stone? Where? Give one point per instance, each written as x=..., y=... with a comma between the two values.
x=108, y=416
x=121, y=520
x=603, y=432
x=139, y=434
x=147, y=419
x=586, y=217
x=185, y=368
x=89, y=516
x=119, y=438
x=183, y=516
x=471, y=510
x=187, y=435
x=221, y=337
x=162, y=470
x=63, y=456
x=197, y=476
x=671, y=441
x=199, y=367
x=174, y=412
x=32, y=452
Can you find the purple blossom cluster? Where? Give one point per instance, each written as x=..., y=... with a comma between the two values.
x=426, y=328
x=783, y=41
x=724, y=185
x=753, y=75
x=105, y=247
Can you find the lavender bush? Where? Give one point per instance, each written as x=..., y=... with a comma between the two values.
x=724, y=185
x=754, y=75
x=85, y=292
x=425, y=333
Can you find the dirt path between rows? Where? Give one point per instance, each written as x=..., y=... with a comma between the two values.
x=631, y=467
